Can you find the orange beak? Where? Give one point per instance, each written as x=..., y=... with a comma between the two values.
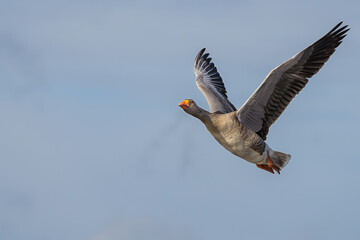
x=184, y=104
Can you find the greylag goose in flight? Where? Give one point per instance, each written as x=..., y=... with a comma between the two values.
x=243, y=131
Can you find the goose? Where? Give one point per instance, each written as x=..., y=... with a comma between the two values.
x=243, y=131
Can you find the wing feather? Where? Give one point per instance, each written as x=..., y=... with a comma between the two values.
x=283, y=83
x=211, y=85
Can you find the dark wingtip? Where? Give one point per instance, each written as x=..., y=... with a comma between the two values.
x=337, y=25
x=199, y=55
x=336, y=28
x=201, y=52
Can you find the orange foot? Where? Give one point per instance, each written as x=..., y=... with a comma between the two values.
x=265, y=167
x=273, y=166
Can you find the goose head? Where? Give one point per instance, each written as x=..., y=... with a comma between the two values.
x=190, y=107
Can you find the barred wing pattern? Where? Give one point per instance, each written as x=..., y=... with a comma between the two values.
x=211, y=85
x=283, y=83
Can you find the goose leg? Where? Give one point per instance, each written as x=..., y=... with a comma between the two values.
x=273, y=166
x=265, y=167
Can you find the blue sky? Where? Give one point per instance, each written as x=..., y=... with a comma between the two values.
x=94, y=147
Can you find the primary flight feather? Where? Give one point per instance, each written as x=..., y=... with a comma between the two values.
x=243, y=132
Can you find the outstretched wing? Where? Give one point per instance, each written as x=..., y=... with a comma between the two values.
x=211, y=85
x=282, y=84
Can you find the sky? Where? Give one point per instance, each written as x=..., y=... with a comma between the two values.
x=94, y=147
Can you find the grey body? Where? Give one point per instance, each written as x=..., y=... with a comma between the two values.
x=236, y=137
